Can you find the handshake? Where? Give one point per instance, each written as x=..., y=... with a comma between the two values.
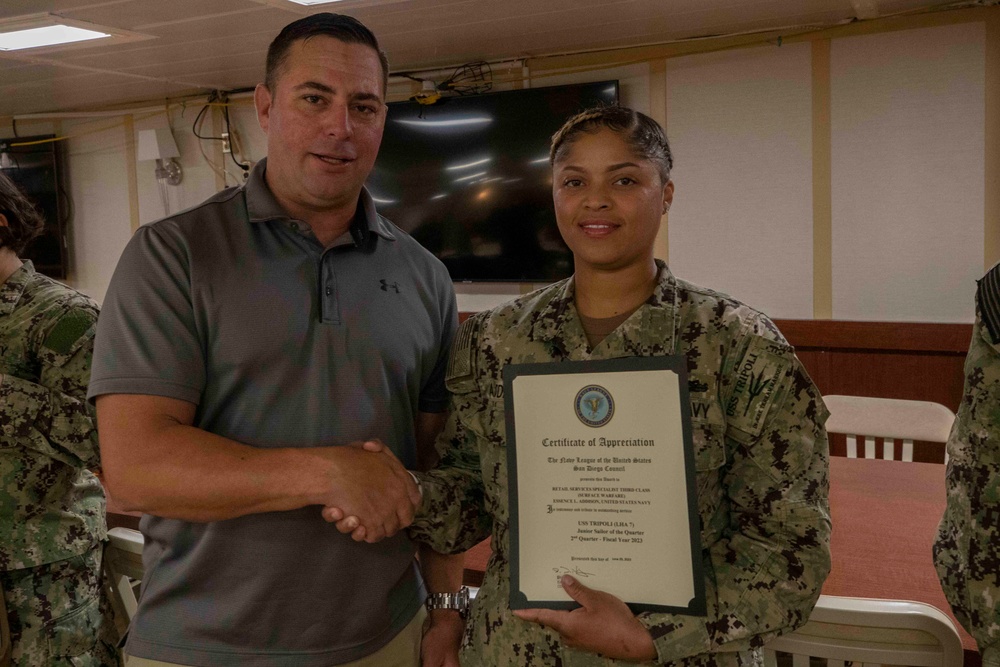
x=370, y=495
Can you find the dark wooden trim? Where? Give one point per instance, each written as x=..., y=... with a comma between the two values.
x=886, y=336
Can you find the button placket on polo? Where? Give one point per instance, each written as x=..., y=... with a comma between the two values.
x=328, y=296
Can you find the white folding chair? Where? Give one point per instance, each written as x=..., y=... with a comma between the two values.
x=873, y=632
x=890, y=419
x=123, y=571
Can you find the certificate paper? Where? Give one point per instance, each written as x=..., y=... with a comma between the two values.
x=602, y=483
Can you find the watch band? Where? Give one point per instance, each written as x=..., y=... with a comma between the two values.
x=458, y=601
x=416, y=480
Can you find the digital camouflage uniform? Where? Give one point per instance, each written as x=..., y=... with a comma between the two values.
x=761, y=456
x=51, y=506
x=967, y=549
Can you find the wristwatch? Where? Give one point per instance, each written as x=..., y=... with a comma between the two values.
x=458, y=601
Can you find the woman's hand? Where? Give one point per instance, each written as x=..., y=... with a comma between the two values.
x=442, y=638
x=603, y=624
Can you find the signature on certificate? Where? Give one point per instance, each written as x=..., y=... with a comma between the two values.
x=562, y=569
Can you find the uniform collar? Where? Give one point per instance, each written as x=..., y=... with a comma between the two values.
x=559, y=322
x=12, y=289
x=263, y=207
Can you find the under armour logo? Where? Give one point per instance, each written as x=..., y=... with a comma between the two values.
x=386, y=286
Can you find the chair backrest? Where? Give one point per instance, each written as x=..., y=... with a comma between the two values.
x=122, y=570
x=890, y=419
x=861, y=630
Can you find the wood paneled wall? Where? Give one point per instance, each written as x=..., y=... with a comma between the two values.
x=908, y=360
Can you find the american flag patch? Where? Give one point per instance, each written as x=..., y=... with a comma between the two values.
x=460, y=362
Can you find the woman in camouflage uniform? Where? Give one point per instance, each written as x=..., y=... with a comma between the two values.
x=757, y=418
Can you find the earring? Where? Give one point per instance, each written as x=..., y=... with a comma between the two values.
x=666, y=207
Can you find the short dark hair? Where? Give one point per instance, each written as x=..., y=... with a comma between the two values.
x=347, y=29
x=643, y=134
x=24, y=222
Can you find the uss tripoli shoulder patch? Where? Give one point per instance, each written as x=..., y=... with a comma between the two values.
x=759, y=376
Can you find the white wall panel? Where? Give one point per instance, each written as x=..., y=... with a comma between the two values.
x=907, y=119
x=98, y=186
x=740, y=127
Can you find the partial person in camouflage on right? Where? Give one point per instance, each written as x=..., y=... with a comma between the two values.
x=967, y=550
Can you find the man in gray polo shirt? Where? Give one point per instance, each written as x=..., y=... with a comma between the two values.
x=243, y=343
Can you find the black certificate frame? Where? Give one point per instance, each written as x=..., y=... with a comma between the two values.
x=675, y=363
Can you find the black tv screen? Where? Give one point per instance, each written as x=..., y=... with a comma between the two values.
x=35, y=170
x=469, y=178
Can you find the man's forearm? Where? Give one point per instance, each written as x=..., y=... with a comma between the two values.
x=204, y=477
x=155, y=461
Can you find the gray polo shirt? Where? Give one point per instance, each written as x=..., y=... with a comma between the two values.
x=236, y=307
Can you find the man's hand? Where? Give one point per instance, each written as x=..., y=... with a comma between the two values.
x=372, y=496
x=603, y=624
x=442, y=638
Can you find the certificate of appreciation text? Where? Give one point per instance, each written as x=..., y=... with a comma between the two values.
x=601, y=483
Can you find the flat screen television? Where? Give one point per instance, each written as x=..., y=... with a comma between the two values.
x=469, y=178
x=35, y=171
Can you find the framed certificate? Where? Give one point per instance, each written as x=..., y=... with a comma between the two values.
x=602, y=483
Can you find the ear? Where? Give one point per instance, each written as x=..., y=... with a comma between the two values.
x=668, y=195
x=262, y=102
x=3, y=221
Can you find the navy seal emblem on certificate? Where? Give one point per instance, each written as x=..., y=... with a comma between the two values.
x=594, y=405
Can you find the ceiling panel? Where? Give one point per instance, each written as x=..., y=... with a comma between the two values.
x=17, y=73
x=160, y=51
x=255, y=20
x=141, y=14
x=10, y=8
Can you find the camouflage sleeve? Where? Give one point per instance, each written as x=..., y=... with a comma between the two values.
x=453, y=517
x=52, y=416
x=764, y=576
x=965, y=552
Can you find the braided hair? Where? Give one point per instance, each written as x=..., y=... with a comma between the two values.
x=643, y=134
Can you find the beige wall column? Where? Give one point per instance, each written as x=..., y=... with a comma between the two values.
x=822, y=183
x=991, y=202
x=131, y=166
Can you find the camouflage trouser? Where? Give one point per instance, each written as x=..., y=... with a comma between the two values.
x=59, y=614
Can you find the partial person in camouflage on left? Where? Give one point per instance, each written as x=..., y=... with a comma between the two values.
x=52, y=521
x=967, y=549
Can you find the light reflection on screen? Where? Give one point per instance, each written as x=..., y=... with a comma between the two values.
x=469, y=179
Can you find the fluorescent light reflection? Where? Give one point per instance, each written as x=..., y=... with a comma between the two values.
x=377, y=200
x=440, y=196
x=467, y=165
x=451, y=122
x=46, y=36
x=540, y=160
x=471, y=176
